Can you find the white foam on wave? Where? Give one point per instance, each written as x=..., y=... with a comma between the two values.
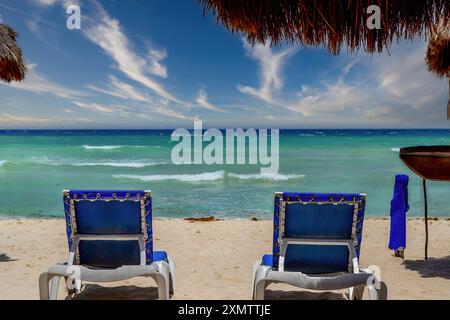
x=395, y=150
x=3, y=163
x=117, y=164
x=88, y=147
x=105, y=163
x=206, y=176
x=272, y=177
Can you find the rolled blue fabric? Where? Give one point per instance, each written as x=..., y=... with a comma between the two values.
x=399, y=207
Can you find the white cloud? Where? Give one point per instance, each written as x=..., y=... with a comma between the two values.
x=271, y=64
x=155, y=67
x=394, y=89
x=48, y=3
x=45, y=2
x=170, y=113
x=121, y=111
x=405, y=77
x=36, y=82
x=329, y=100
x=106, y=32
x=13, y=119
x=202, y=100
x=122, y=90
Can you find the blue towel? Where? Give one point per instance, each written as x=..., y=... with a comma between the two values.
x=399, y=207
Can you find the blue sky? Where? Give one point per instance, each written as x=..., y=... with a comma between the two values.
x=161, y=64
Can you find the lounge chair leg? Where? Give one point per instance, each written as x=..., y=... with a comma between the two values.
x=255, y=269
x=162, y=280
x=260, y=283
x=43, y=286
x=54, y=286
x=373, y=293
x=173, y=275
x=260, y=288
x=383, y=291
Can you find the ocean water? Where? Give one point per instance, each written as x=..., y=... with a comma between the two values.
x=35, y=166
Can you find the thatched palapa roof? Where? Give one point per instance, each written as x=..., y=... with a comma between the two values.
x=12, y=65
x=329, y=23
x=438, y=54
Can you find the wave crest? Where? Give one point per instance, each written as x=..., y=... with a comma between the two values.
x=272, y=177
x=88, y=147
x=206, y=176
x=104, y=163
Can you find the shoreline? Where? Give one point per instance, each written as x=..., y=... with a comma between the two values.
x=250, y=218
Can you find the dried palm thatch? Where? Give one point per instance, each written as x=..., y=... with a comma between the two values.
x=12, y=65
x=438, y=54
x=329, y=23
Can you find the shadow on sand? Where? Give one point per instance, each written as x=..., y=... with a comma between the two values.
x=5, y=258
x=431, y=268
x=97, y=292
x=302, y=295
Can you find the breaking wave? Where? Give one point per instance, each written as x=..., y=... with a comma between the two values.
x=207, y=176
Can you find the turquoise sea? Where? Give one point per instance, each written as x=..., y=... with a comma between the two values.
x=35, y=166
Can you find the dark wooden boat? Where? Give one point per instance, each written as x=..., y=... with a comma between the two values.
x=430, y=162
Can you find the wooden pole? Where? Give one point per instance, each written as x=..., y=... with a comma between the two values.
x=426, y=217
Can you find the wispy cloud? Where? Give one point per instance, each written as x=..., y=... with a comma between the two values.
x=328, y=100
x=38, y=83
x=154, y=62
x=107, y=33
x=120, y=111
x=11, y=118
x=122, y=90
x=405, y=77
x=271, y=64
x=49, y=3
x=45, y=3
x=202, y=100
x=8, y=118
x=394, y=88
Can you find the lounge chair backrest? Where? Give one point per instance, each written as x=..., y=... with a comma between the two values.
x=109, y=228
x=317, y=233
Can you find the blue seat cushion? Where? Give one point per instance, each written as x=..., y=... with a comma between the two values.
x=113, y=217
x=113, y=254
x=109, y=253
x=159, y=256
x=313, y=259
x=267, y=260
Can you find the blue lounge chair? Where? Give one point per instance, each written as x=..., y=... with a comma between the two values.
x=110, y=239
x=316, y=244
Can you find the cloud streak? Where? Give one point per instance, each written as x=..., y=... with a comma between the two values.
x=202, y=100
x=271, y=64
x=107, y=33
x=122, y=90
x=38, y=83
x=8, y=118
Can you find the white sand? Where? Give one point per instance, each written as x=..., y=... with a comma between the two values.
x=214, y=260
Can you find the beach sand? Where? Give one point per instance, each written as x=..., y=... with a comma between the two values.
x=215, y=259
